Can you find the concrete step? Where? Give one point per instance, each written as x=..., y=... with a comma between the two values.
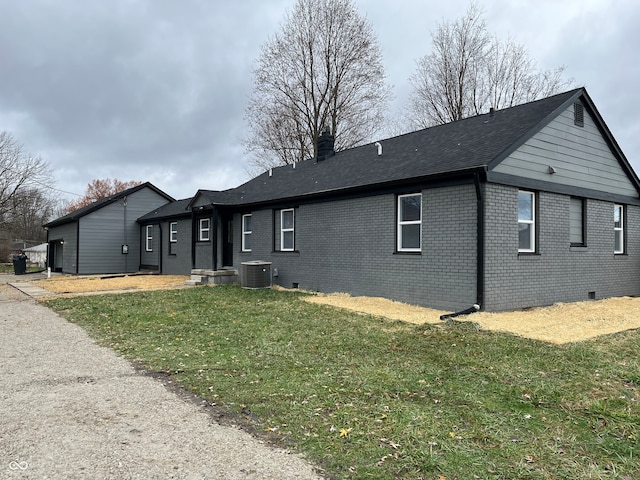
x=214, y=277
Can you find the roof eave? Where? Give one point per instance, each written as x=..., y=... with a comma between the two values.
x=470, y=172
x=98, y=204
x=611, y=141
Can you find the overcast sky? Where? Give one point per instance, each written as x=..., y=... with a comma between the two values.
x=155, y=90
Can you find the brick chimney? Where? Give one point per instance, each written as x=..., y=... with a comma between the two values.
x=325, y=145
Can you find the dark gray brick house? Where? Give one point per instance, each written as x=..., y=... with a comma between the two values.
x=525, y=206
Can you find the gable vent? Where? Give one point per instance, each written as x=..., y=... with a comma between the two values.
x=578, y=114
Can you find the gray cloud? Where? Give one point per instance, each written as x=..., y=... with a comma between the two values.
x=156, y=89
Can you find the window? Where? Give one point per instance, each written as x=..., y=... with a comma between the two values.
x=410, y=223
x=173, y=237
x=203, y=234
x=246, y=233
x=149, y=239
x=287, y=243
x=618, y=228
x=526, y=222
x=576, y=222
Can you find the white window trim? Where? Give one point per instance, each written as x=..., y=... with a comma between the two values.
x=287, y=230
x=173, y=233
x=148, y=245
x=245, y=233
x=203, y=233
x=619, y=230
x=531, y=222
x=408, y=222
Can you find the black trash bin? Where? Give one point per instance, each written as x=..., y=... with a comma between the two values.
x=20, y=264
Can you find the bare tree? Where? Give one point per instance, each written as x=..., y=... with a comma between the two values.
x=323, y=69
x=18, y=171
x=32, y=208
x=100, y=188
x=26, y=197
x=468, y=72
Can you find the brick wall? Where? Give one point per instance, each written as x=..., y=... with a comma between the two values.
x=350, y=246
x=559, y=272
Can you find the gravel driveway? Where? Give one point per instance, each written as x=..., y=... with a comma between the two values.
x=72, y=409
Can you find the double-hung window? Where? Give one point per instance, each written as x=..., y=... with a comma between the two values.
x=410, y=223
x=287, y=230
x=173, y=237
x=148, y=244
x=203, y=230
x=246, y=232
x=526, y=222
x=618, y=228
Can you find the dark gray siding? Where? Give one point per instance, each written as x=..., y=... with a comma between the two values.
x=103, y=232
x=204, y=249
x=150, y=259
x=201, y=201
x=204, y=255
x=580, y=156
x=350, y=246
x=67, y=233
x=176, y=259
x=559, y=273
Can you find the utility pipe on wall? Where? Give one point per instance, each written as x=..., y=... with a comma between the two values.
x=479, y=253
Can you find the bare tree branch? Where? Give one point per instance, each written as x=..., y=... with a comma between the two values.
x=18, y=171
x=468, y=72
x=322, y=69
x=25, y=201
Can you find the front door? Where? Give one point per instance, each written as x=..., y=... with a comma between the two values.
x=227, y=241
x=57, y=256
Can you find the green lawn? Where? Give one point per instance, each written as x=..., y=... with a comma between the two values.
x=365, y=397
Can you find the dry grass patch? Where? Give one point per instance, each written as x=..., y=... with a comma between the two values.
x=72, y=284
x=379, y=306
x=559, y=323
x=566, y=322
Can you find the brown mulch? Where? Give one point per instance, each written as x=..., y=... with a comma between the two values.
x=559, y=323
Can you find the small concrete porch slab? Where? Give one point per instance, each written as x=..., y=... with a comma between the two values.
x=212, y=277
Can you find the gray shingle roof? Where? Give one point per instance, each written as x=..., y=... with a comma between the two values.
x=169, y=210
x=448, y=149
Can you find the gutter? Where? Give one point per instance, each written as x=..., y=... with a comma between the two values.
x=391, y=186
x=160, y=253
x=77, y=248
x=479, y=241
x=214, y=237
x=194, y=232
x=480, y=227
